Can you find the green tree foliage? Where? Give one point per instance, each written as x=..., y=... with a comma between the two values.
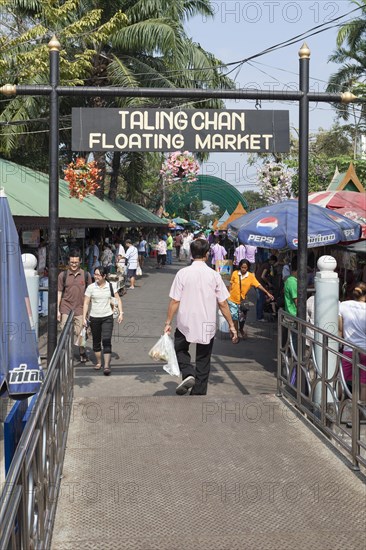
x=254, y=200
x=350, y=54
x=327, y=150
x=26, y=27
x=129, y=43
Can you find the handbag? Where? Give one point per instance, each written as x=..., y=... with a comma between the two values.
x=114, y=303
x=244, y=304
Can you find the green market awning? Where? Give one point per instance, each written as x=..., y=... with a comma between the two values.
x=27, y=192
x=138, y=214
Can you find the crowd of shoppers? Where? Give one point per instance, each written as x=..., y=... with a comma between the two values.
x=195, y=292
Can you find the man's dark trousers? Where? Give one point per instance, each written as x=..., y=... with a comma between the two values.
x=203, y=362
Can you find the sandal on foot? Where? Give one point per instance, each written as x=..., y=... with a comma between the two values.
x=107, y=371
x=98, y=366
x=83, y=358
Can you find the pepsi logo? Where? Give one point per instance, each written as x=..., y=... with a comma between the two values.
x=271, y=223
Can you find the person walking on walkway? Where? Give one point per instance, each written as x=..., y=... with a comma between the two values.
x=132, y=259
x=185, y=248
x=250, y=252
x=239, y=255
x=92, y=253
x=194, y=295
x=218, y=252
x=290, y=289
x=290, y=299
x=178, y=241
x=101, y=296
x=107, y=257
x=352, y=327
x=240, y=284
x=71, y=286
x=142, y=250
x=169, y=249
x=263, y=275
x=161, y=257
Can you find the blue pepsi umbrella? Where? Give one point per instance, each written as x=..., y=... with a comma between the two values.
x=20, y=371
x=275, y=226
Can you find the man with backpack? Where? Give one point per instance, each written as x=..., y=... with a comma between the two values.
x=70, y=296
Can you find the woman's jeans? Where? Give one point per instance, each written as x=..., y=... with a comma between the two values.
x=101, y=329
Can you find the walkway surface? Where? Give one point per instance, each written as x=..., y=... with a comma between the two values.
x=236, y=469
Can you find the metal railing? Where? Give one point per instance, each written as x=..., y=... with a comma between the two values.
x=310, y=376
x=29, y=496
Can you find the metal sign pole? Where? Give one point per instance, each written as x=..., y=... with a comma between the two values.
x=53, y=222
x=302, y=257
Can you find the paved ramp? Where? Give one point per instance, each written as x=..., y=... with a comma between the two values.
x=200, y=473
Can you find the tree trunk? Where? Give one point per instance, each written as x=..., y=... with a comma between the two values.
x=99, y=157
x=116, y=163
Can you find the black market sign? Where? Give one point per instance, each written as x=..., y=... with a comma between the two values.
x=103, y=129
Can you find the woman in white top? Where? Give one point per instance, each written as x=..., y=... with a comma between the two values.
x=352, y=327
x=101, y=296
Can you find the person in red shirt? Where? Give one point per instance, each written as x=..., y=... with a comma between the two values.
x=70, y=296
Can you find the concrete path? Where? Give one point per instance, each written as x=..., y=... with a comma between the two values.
x=245, y=368
x=236, y=469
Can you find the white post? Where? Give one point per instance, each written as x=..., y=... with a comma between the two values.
x=32, y=279
x=326, y=315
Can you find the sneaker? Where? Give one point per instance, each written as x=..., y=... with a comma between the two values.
x=261, y=320
x=185, y=385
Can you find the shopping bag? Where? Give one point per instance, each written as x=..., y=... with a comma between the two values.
x=81, y=339
x=138, y=271
x=164, y=350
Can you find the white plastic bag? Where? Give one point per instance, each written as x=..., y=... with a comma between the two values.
x=138, y=271
x=164, y=350
x=81, y=339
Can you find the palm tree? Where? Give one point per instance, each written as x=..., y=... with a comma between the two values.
x=351, y=56
x=352, y=32
x=128, y=43
x=153, y=50
x=29, y=24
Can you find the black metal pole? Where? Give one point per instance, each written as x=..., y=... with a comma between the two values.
x=302, y=257
x=108, y=91
x=53, y=231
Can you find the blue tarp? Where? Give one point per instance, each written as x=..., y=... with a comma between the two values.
x=20, y=371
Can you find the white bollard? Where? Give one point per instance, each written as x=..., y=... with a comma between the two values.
x=326, y=308
x=32, y=279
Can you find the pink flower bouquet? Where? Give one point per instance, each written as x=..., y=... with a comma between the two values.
x=180, y=166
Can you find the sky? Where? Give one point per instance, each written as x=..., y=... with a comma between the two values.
x=243, y=28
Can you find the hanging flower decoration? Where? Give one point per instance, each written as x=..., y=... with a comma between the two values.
x=275, y=182
x=83, y=178
x=180, y=166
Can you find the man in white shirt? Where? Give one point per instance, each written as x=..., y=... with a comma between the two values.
x=132, y=259
x=239, y=254
x=195, y=294
x=250, y=252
